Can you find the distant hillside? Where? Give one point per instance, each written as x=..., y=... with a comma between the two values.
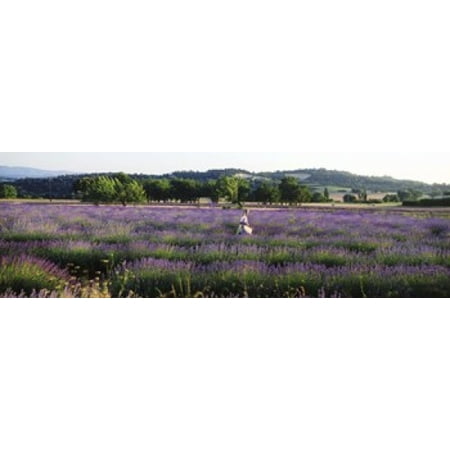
x=320, y=178
x=316, y=179
x=323, y=177
x=14, y=173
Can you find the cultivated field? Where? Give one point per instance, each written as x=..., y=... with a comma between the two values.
x=61, y=250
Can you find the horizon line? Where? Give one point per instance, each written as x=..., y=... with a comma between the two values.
x=66, y=172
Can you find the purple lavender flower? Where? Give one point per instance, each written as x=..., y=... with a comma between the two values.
x=159, y=249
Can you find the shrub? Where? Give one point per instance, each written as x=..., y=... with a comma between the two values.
x=7, y=191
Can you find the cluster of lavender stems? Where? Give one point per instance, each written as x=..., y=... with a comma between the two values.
x=333, y=248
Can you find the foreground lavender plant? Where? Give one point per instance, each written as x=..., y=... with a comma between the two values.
x=26, y=274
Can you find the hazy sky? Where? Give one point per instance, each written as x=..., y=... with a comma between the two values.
x=429, y=167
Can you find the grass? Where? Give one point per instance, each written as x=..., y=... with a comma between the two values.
x=28, y=275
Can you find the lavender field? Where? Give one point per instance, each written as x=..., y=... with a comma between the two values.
x=87, y=251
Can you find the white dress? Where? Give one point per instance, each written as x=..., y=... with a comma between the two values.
x=244, y=227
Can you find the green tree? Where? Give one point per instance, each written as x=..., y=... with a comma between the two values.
x=243, y=190
x=234, y=189
x=435, y=194
x=98, y=190
x=157, y=190
x=291, y=191
x=415, y=194
x=185, y=190
x=210, y=189
x=326, y=194
x=80, y=187
x=123, y=177
x=128, y=190
x=305, y=195
x=409, y=195
x=267, y=192
x=391, y=198
x=8, y=191
x=318, y=197
x=350, y=198
x=104, y=189
x=361, y=193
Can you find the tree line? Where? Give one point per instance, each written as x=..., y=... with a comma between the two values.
x=231, y=186
x=403, y=195
x=62, y=187
x=122, y=188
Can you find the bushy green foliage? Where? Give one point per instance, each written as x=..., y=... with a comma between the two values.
x=361, y=194
x=128, y=190
x=157, y=190
x=267, y=192
x=104, y=189
x=409, y=195
x=209, y=190
x=7, y=191
x=349, y=198
x=429, y=202
x=391, y=198
x=185, y=190
x=234, y=189
x=65, y=187
x=292, y=192
x=318, y=197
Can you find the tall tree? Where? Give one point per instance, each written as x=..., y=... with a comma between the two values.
x=267, y=192
x=410, y=194
x=349, y=198
x=8, y=191
x=305, y=194
x=210, y=189
x=290, y=190
x=185, y=190
x=243, y=190
x=157, y=189
x=100, y=190
x=234, y=189
x=104, y=189
x=318, y=197
x=128, y=190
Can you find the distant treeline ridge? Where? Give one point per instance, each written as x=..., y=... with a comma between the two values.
x=237, y=185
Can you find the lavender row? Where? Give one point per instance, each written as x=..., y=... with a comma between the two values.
x=155, y=277
x=86, y=220
x=293, y=252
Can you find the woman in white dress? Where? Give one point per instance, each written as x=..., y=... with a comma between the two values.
x=244, y=226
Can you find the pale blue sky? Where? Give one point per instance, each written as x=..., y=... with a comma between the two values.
x=428, y=167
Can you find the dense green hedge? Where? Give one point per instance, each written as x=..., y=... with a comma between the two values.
x=429, y=202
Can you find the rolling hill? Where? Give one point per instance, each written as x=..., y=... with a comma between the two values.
x=14, y=173
x=59, y=184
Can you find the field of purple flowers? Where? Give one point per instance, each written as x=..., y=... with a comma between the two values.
x=88, y=251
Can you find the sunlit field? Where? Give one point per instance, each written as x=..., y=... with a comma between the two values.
x=87, y=251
